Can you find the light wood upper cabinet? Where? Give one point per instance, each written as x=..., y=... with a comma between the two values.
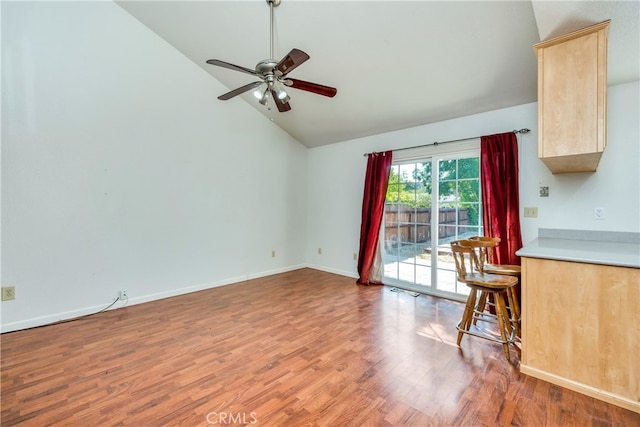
x=572, y=99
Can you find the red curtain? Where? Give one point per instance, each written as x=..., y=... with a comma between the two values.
x=375, y=191
x=500, y=198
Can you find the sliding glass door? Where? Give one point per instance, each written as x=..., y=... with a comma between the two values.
x=430, y=202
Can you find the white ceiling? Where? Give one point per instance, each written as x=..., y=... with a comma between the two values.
x=396, y=64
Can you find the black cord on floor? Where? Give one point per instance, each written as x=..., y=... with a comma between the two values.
x=72, y=319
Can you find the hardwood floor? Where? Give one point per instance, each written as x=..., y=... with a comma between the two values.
x=299, y=348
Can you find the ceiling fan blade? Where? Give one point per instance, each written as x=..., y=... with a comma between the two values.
x=282, y=106
x=291, y=61
x=311, y=87
x=239, y=91
x=231, y=66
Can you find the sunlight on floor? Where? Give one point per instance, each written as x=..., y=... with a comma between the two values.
x=439, y=333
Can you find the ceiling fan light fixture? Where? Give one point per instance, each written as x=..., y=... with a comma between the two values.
x=280, y=92
x=260, y=91
x=264, y=100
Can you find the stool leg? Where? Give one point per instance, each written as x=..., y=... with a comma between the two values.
x=514, y=308
x=502, y=322
x=482, y=302
x=465, y=323
x=474, y=300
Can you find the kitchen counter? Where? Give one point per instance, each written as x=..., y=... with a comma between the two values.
x=591, y=247
x=580, y=318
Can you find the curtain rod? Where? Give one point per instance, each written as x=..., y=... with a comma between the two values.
x=523, y=130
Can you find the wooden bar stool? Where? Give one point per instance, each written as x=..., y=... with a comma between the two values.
x=485, y=245
x=469, y=271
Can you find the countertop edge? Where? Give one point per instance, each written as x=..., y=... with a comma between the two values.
x=602, y=253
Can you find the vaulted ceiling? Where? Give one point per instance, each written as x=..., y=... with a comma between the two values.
x=396, y=64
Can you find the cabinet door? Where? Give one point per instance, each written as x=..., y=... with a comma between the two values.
x=581, y=323
x=570, y=98
x=572, y=95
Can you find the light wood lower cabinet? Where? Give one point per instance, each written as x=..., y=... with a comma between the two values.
x=581, y=328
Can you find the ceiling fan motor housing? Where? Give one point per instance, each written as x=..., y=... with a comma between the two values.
x=266, y=66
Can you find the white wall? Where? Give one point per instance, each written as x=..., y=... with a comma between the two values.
x=121, y=169
x=615, y=186
x=336, y=178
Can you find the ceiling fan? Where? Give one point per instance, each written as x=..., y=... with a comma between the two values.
x=274, y=76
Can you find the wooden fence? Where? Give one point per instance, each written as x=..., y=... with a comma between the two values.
x=407, y=224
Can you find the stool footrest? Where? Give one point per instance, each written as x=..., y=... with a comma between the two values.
x=477, y=332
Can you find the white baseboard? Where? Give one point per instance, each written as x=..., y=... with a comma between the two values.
x=276, y=271
x=67, y=315
x=334, y=271
x=49, y=319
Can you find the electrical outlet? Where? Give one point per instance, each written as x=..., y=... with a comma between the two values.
x=530, y=212
x=273, y=253
x=8, y=293
x=598, y=213
x=319, y=251
x=123, y=295
x=355, y=256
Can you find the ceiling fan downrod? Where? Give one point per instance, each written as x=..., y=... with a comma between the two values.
x=272, y=4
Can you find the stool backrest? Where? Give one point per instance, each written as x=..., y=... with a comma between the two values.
x=484, y=246
x=466, y=259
